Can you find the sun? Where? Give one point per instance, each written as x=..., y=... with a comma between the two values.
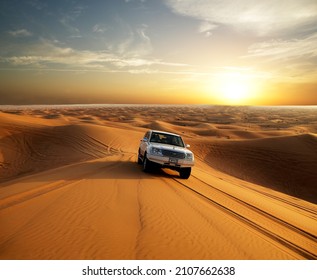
x=233, y=89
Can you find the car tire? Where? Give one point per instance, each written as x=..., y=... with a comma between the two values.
x=146, y=164
x=185, y=172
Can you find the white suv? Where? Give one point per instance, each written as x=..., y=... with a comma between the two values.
x=165, y=150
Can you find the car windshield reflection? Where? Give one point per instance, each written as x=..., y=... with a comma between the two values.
x=167, y=139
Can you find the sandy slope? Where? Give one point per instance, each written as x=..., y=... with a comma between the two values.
x=71, y=188
x=285, y=163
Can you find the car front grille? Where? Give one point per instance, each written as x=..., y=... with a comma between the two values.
x=173, y=154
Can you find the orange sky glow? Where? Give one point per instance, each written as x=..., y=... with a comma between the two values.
x=162, y=52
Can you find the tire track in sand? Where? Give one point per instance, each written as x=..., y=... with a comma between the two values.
x=277, y=230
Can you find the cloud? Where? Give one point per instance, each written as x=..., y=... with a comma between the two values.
x=285, y=49
x=291, y=58
x=21, y=60
x=99, y=28
x=48, y=55
x=260, y=17
x=48, y=52
x=137, y=43
x=20, y=33
x=68, y=20
x=207, y=28
x=137, y=62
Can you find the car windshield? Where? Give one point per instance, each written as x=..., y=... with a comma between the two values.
x=163, y=138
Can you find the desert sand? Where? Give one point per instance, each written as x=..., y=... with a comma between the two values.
x=70, y=187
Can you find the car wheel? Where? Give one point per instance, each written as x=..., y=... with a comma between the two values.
x=146, y=164
x=185, y=172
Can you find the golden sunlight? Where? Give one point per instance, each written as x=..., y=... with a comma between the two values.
x=233, y=88
x=235, y=92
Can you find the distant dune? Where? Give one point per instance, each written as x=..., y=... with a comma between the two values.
x=70, y=187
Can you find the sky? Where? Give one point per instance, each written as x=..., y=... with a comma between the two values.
x=158, y=51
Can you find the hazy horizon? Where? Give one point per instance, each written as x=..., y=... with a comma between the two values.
x=87, y=105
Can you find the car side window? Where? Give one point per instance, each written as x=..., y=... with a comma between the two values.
x=155, y=138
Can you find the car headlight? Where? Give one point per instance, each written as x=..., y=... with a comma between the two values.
x=156, y=151
x=189, y=156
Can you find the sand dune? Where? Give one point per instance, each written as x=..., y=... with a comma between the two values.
x=287, y=163
x=71, y=189
x=32, y=146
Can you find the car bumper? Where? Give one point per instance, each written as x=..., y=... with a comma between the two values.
x=170, y=162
